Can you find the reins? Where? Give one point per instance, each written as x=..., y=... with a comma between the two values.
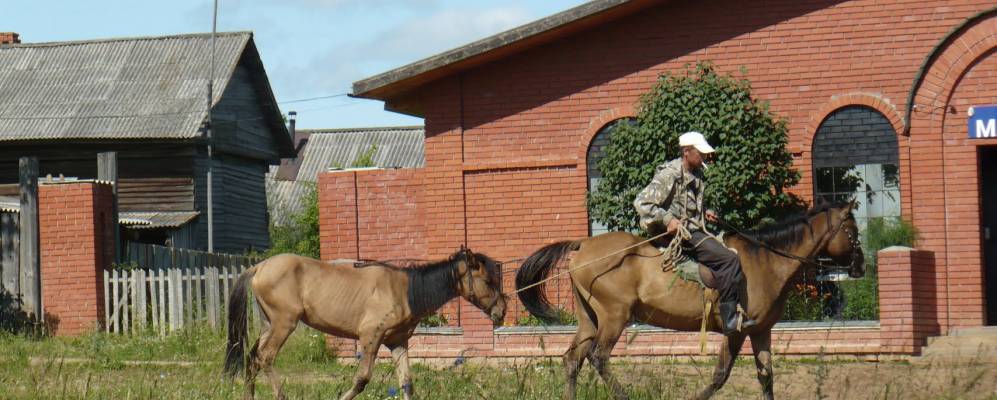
x=804, y=260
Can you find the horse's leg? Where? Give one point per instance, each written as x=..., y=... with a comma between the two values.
x=399, y=353
x=761, y=343
x=253, y=368
x=369, y=342
x=610, y=328
x=729, y=350
x=279, y=332
x=255, y=363
x=580, y=347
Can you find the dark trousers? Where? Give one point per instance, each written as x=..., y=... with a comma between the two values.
x=725, y=264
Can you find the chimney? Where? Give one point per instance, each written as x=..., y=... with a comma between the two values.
x=9, y=38
x=292, y=117
x=289, y=167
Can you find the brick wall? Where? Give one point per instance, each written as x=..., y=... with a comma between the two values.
x=532, y=112
x=499, y=134
x=76, y=246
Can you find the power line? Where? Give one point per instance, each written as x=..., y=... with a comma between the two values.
x=331, y=96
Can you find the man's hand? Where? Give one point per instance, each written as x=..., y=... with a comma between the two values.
x=673, y=226
x=711, y=216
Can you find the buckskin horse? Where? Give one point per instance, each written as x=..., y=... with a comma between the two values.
x=609, y=289
x=376, y=303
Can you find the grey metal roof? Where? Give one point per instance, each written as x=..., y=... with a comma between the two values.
x=156, y=219
x=134, y=219
x=397, y=147
x=127, y=88
x=10, y=204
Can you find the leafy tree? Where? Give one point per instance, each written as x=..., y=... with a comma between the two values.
x=751, y=168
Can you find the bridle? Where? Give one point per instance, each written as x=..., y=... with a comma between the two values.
x=469, y=286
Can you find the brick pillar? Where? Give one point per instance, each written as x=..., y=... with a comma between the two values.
x=337, y=213
x=77, y=245
x=907, y=300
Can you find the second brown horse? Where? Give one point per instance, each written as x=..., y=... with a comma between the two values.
x=374, y=303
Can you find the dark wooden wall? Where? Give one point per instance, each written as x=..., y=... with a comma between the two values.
x=240, y=128
x=153, y=177
x=241, y=219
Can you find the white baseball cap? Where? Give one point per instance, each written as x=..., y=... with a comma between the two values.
x=696, y=140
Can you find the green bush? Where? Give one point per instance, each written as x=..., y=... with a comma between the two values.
x=563, y=317
x=434, y=320
x=752, y=166
x=301, y=235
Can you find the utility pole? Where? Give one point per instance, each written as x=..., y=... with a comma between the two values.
x=211, y=79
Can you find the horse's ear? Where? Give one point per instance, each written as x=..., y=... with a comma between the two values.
x=853, y=203
x=851, y=206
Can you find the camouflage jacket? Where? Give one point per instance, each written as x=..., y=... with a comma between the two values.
x=672, y=193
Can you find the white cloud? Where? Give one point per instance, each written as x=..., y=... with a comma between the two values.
x=415, y=39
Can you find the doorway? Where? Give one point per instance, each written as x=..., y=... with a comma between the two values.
x=988, y=226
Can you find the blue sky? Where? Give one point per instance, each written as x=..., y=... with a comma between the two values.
x=310, y=48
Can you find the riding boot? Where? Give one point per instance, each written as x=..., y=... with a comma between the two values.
x=729, y=313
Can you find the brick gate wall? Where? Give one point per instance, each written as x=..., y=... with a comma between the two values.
x=76, y=245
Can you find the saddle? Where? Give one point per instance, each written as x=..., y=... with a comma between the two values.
x=691, y=270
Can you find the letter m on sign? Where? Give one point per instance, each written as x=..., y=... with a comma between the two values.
x=987, y=129
x=983, y=122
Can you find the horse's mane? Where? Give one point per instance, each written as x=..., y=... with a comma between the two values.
x=434, y=283
x=788, y=232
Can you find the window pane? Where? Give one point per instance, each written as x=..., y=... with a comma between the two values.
x=825, y=182
x=873, y=177
x=848, y=179
x=891, y=176
x=874, y=204
x=891, y=203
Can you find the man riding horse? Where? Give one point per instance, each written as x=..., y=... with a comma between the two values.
x=674, y=198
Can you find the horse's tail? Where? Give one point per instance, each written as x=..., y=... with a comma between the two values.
x=535, y=269
x=237, y=324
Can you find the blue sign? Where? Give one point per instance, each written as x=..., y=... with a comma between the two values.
x=983, y=122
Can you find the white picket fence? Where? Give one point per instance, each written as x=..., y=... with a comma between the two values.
x=168, y=299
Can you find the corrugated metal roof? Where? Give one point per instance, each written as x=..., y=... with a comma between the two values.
x=134, y=219
x=10, y=204
x=156, y=219
x=128, y=88
x=397, y=147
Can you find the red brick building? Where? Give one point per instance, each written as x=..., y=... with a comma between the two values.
x=510, y=120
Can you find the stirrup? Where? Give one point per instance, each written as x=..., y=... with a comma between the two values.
x=741, y=323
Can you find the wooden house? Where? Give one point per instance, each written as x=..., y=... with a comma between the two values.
x=146, y=98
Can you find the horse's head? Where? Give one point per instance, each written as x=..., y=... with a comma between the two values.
x=843, y=247
x=480, y=282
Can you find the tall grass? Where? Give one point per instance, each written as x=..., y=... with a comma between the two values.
x=35, y=368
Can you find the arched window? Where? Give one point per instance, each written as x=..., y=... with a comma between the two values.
x=855, y=154
x=595, y=153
